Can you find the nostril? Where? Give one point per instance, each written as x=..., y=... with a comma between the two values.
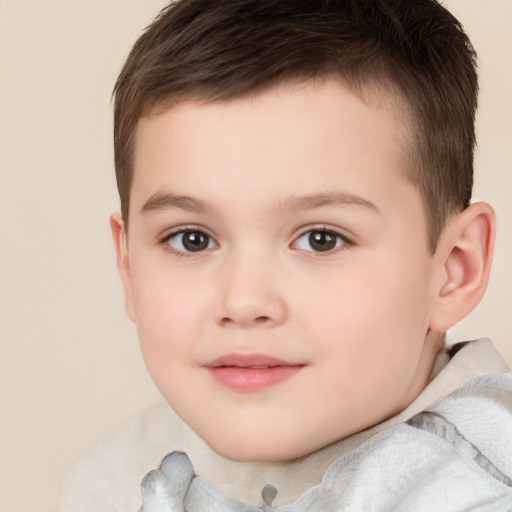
x=262, y=319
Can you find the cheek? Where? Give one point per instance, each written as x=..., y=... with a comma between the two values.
x=373, y=315
x=169, y=316
x=371, y=342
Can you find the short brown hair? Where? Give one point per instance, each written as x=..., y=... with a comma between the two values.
x=223, y=49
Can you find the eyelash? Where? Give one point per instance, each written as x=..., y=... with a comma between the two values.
x=342, y=242
x=165, y=241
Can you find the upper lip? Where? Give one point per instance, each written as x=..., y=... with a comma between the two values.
x=248, y=361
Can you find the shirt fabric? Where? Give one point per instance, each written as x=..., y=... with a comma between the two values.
x=450, y=449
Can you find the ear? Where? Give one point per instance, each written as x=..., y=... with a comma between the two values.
x=464, y=257
x=119, y=236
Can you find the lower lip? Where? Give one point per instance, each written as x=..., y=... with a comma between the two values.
x=252, y=379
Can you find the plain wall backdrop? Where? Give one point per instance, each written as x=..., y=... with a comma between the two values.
x=70, y=368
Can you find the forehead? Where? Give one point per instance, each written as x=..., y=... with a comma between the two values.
x=292, y=139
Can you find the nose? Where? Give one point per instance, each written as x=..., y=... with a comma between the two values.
x=250, y=295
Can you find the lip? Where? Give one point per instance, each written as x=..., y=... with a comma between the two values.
x=251, y=372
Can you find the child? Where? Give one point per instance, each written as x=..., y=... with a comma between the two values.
x=296, y=237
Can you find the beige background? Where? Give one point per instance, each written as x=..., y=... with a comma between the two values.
x=70, y=369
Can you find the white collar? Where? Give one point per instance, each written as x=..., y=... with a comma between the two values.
x=244, y=481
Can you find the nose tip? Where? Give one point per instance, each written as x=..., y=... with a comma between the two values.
x=249, y=298
x=261, y=313
x=246, y=319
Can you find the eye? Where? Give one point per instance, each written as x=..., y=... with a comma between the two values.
x=190, y=240
x=320, y=240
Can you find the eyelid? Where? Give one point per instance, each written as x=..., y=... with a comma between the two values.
x=176, y=230
x=164, y=239
x=347, y=240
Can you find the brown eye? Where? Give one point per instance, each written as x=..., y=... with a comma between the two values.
x=320, y=240
x=190, y=241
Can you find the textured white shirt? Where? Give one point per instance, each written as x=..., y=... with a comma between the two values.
x=457, y=455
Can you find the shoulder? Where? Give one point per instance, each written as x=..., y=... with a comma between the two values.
x=454, y=454
x=481, y=406
x=481, y=412
x=474, y=393
x=107, y=479
x=473, y=423
x=413, y=466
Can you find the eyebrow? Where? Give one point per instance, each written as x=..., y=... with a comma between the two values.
x=312, y=201
x=163, y=201
x=160, y=201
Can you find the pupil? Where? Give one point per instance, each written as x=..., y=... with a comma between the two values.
x=195, y=241
x=322, y=240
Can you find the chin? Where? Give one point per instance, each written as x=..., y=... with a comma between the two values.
x=247, y=452
x=261, y=450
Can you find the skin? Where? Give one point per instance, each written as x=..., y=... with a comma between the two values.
x=256, y=176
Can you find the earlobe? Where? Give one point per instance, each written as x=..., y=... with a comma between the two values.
x=119, y=237
x=464, y=255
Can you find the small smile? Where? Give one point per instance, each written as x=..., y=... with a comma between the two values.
x=251, y=372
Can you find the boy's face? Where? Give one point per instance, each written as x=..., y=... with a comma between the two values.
x=278, y=268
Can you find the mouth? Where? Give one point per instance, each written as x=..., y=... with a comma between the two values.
x=251, y=372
